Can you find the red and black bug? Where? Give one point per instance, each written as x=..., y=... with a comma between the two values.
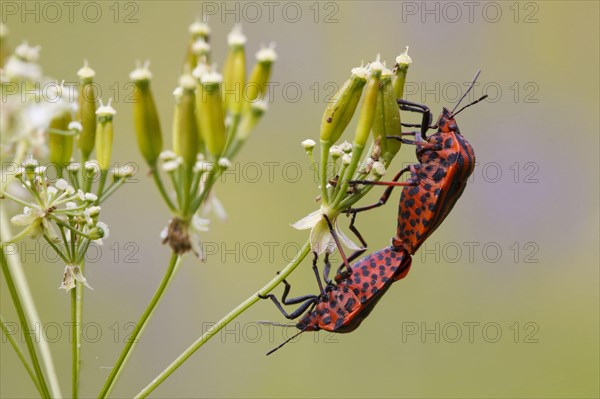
x=346, y=301
x=446, y=160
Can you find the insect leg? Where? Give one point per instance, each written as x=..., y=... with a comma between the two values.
x=387, y=192
x=326, y=270
x=406, y=105
x=338, y=245
x=316, y=270
x=307, y=299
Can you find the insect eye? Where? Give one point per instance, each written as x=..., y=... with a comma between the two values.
x=453, y=127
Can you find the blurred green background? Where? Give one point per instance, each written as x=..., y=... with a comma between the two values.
x=518, y=256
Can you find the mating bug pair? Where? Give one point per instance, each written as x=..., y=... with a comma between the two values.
x=446, y=160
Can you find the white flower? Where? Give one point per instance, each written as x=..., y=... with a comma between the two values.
x=171, y=166
x=167, y=155
x=346, y=147
x=90, y=197
x=321, y=239
x=224, y=163
x=346, y=159
x=212, y=204
x=378, y=169
x=198, y=225
x=404, y=58
x=236, y=37
x=267, y=54
x=336, y=152
x=71, y=275
x=308, y=144
x=106, y=232
x=61, y=184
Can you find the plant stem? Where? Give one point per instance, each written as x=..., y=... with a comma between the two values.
x=14, y=293
x=17, y=275
x=161, y=188
x=325, y=146
x=20, y=354
x=140, y=326
x=75, y=345
x=241, y=308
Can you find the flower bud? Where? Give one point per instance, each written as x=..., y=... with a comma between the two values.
x=369, y=105
x=403, y=61
x=378, y=169
x=185, y=133
x=209, y=110
x=60, y=141
x=308, y=144
x=387, y=115
x=86, y=113
x=234, y=71
x=342, y=106
x=104, y=134
x=145, y=116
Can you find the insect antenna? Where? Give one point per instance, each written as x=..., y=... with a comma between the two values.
x=286, y=341
x=468, y=105
x=467, y=92
x=273, y=323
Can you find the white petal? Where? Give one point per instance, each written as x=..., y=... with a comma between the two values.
x=321, y=239
x=200, y=224
x=308, y=222
x=347, y=242
x=197, y=246
x=23, y=219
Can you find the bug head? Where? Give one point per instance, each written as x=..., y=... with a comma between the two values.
x=446, y=122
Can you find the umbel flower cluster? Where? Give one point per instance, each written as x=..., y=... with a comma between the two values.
x=49, y=133
x=215, y=112
x=379, y=117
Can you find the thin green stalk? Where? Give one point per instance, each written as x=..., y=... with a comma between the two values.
x=14, y=293
x=20, y=354
x=325, y=146
x=140, y=326
x=17, y=159
x=210, y=180
x=161, y=188
x=75, y=346
x=19, y=236
x=16, y=270
x=241, y=308
x=356, y=154
x=111, y=189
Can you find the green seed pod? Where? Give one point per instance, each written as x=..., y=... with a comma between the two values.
x=3, y=45
x=403, y=61
x=234, y=71
x=387, y=115
x=209, y=111
x=342, y=106
x=145, y=116
x=104, y=135
x=86, y=113
x=257, y=83
x=60, y=140
x=199, y=31
x=251, y=118
x=185, y=133
x=369, y=105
